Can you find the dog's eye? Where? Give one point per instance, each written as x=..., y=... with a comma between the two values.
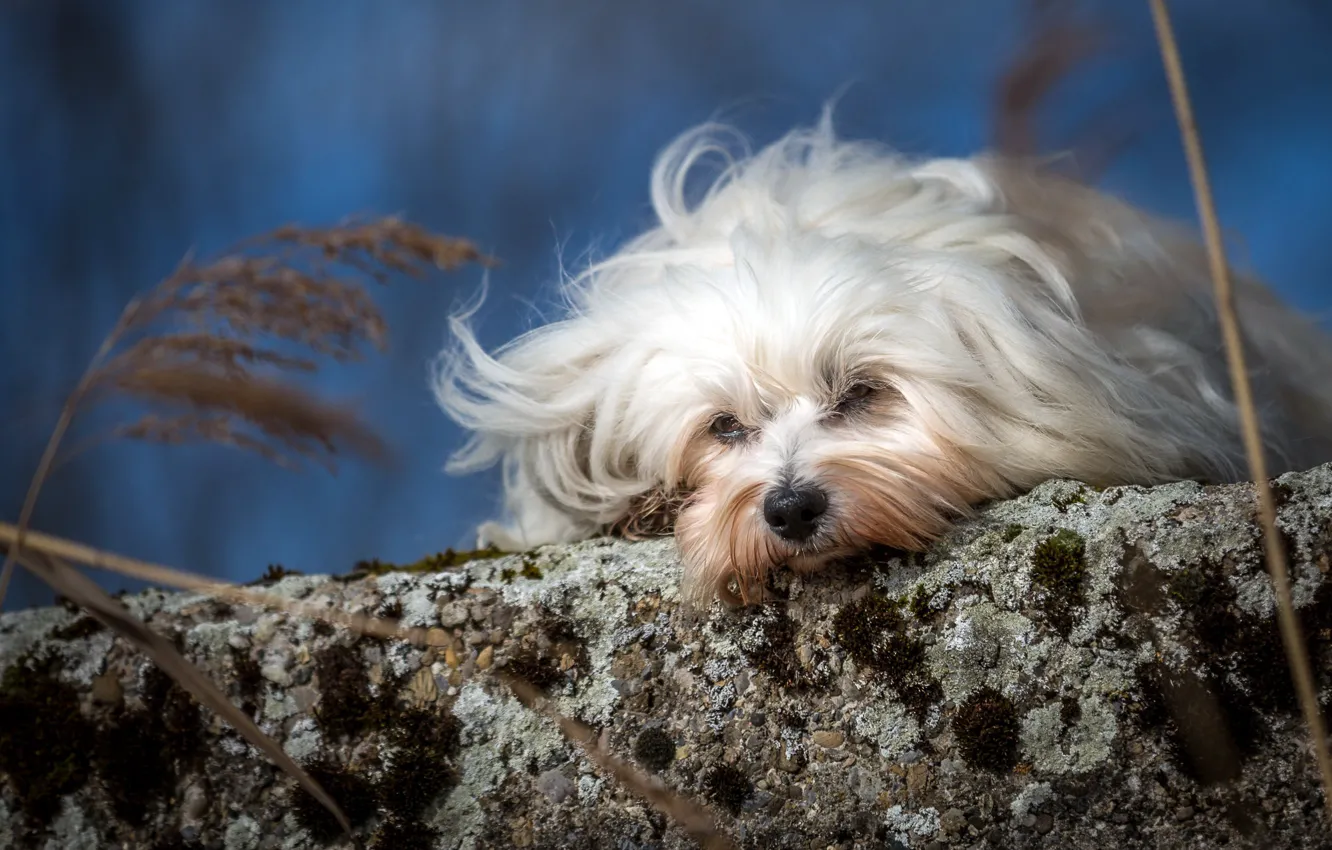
x=727, y=428
x=855, y=395
x=858, y=391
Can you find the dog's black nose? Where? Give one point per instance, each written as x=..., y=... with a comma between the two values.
x=794, y=512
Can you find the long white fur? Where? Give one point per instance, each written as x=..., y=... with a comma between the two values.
x=1028, y=327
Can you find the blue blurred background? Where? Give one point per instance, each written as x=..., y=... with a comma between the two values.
x=134, y=131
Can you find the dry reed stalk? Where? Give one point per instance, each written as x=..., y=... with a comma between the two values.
x=53, y=446
x=57, y=547
x=1296, y=650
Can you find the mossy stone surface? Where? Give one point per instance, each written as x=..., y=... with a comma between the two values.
x=1070, y=669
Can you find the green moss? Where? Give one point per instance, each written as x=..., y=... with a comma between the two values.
x=81, y=628
x=397, y=834
x=426, y=742
x=986, y=727
x=859, y=626
x=727, y=787
x=919, y=603
x=273, y=574
x=439, y=562
x=176, y=714
x=535, y=668
x=45, y=740
x=654, y=749
x=530, y=569
x=345, y=699
x=1059, y=565
x=1059, y=562
x=875, y=634
x=770, y=646
x=131, y=761
x=1063, y=501
x=1011, y=532
x=249, y=679
x=349, y=789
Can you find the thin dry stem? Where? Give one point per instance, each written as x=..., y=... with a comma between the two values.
x=53, y=443
x=167, y=576
x=1296, y=651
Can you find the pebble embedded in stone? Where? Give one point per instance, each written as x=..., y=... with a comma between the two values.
x=107, y=690
x=276, y=672
x=453, y=614
x=829, y=739
x=556, y=786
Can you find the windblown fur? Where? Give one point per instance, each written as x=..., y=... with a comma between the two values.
x=908, y=338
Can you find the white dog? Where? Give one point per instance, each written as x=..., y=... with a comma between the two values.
x=837, y=347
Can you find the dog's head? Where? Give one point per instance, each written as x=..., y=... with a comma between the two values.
x=833, y=349
x=818, y=388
